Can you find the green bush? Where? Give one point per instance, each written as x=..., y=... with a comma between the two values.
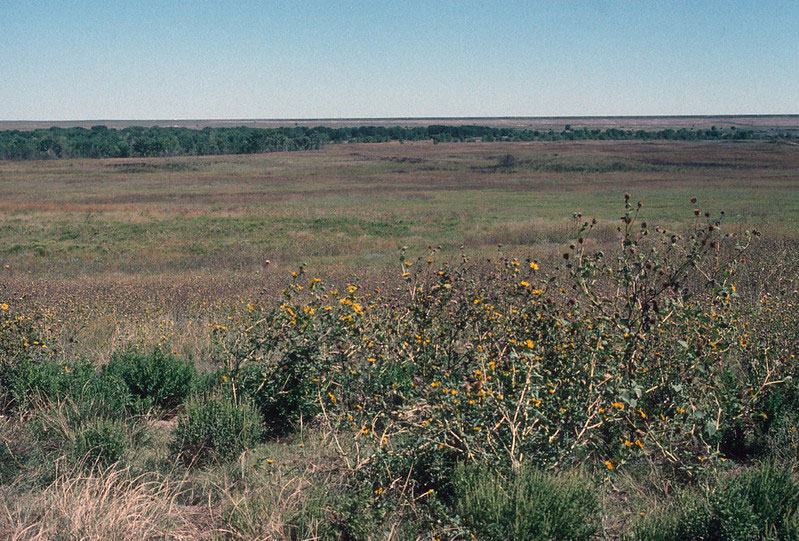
x=283, y=396
x=216, y=429
x=761, y=502
x=45, y=380
x=101, y=442
x=156, y=380
x=527, y=505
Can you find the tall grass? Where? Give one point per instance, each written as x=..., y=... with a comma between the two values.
x=101, y=505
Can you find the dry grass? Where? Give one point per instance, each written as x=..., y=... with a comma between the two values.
x=109, y=504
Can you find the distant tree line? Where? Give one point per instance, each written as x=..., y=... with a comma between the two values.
x=104, y=142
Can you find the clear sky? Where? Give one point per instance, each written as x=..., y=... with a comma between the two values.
x=147, y=59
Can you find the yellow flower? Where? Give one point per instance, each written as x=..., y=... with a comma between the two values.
x=364, y=430
x=609, y=464
x=618, y=405
x=533, y=266
x=4, y=306
x=379, y=491
x=524, y=283
x=372, y=360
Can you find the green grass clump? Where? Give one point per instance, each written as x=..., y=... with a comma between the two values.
x=528, y=505
x=80, y=433
x=155, y=380
x=215, y=430
x=761, y=502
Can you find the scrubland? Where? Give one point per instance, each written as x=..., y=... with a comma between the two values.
x=565, y=340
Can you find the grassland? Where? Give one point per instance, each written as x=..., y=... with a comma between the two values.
x=375, y=383
x=355, y=204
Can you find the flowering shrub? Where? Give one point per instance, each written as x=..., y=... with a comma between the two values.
x=642, y=352
x=18, y=341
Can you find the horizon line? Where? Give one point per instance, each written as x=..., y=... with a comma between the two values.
x=329, y=119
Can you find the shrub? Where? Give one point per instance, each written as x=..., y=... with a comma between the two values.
x=761, y=502
x=100, y=442
x=53, y=382
x=156, y=380
x=283, y=395
x=216, y=429
x=528, y=505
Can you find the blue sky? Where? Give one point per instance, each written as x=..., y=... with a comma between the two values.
x=70, y=60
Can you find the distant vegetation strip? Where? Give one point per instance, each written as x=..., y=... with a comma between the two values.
x=104, y=142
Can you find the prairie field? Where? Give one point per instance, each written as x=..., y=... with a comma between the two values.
x=403, y=340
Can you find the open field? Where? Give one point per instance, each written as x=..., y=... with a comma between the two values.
x=357, y=203
x=333, y=344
